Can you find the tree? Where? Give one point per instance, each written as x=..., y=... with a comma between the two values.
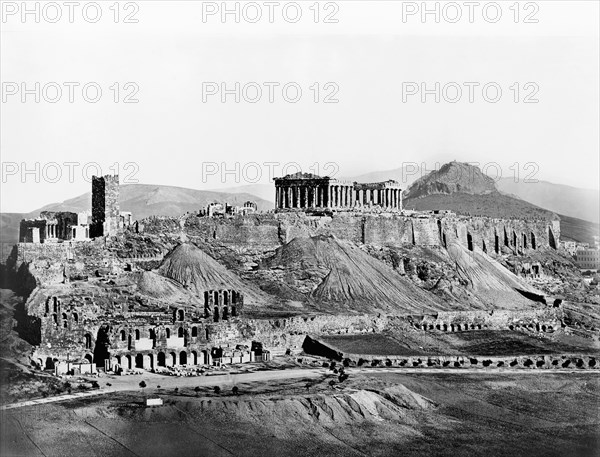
x=235, y=390
x=142, y=384
x=217, y=390
x=331, y=383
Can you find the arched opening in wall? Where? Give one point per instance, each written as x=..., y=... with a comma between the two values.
x=514, y=239
x=128, y=362
x=524, y=241
x=225, y=297
x=47, y=310
x=129, y=342
x=173, y=359
x=49, y=363
x=55, y=319
x=151, y=360
x=496, y=243
x=444, y=240
x=439, y=224
x=75, y=318
x=205, y=298
x=161, y=359
x=152, y=334
x=180, y=315
x=506, y=238
x=205, y=357
x=89, y=358
x=469, y=241
x=55, y=304
x=139, y=361
x=183, y=358
x=484, y=247
x=88, y=341
x=194, y=358
x=533, y=245
x=137, y=334
x=233, y=311
x=225, y=313
x=216, y=297
x=194, y=332
x=180, y=332
x=101, y=349
x=216, y=314
x=168, y=332
x=206, y=331
x=551, y=239
x=445, y=327
x=234, y=296
x=123, y=335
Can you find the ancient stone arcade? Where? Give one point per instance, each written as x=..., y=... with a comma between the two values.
x=305, y=191
x=71, y=329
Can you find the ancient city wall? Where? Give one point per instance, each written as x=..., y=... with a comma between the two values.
x=270, y=230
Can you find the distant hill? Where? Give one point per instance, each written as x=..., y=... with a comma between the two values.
x=263, y=191
x=464, y=189
x=570, y=201
x=452, y=177
x=142, y=200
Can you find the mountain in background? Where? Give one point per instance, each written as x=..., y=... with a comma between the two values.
x=464, y=189
x=567, y=200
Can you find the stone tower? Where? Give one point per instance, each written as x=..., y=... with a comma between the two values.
x=105, y=205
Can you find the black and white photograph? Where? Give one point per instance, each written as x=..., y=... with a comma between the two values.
x=300, y=228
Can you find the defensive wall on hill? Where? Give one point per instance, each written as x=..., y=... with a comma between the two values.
x=270, y=230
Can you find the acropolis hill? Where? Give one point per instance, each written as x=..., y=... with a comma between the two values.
x=337, y=272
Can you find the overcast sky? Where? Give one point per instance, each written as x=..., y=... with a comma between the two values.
x=371, y=61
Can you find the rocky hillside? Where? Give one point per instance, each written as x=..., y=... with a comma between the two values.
x=464, y=189
x=337, y=276
x=453, y=177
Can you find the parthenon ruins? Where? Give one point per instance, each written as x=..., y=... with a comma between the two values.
x=305, y=191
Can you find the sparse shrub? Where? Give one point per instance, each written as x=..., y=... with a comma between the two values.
x=197, y=390
x=95, y=385
x=360, y=362
x=217, y=390
x=566, y=363
x=456, y=364
x=374, y=363
x=325, y=365
x=335, y=370
x=142, y=384
x=388, y=363
x=347, y=362
x=331, y=383
x=235, y=390
x=176, y=390
x=332, y=365
x=540, y=363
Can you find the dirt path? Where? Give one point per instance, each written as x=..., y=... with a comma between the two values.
x=152, y=380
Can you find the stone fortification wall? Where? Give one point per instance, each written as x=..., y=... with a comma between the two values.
x=270, y=230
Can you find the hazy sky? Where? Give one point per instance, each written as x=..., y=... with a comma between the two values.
x=372, y=61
